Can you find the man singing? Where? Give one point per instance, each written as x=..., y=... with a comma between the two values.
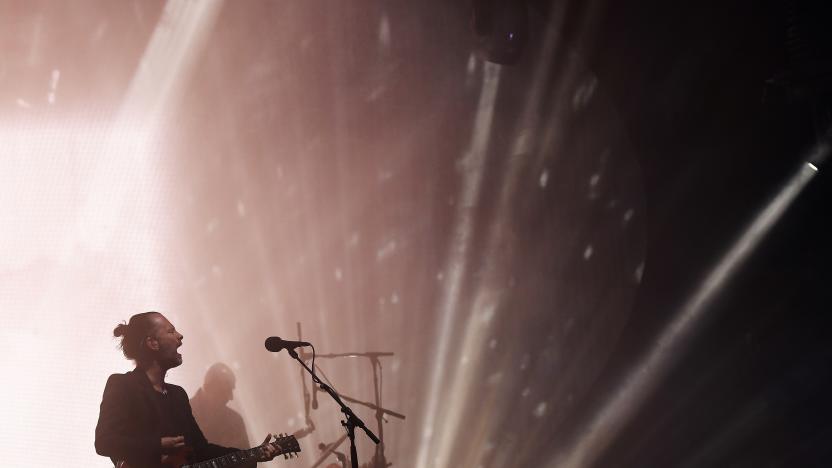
x=144, y=420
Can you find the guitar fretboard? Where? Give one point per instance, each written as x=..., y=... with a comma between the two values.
x=230, y=460
x=283, y=445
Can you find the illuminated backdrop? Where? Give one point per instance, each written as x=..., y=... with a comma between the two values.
x=355, y=167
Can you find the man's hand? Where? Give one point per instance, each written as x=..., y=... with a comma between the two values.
x=267, y=451
x=169, y=444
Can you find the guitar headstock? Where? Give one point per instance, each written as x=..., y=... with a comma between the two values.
x=286, y=445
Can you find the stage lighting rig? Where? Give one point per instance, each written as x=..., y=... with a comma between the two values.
x=502, y=29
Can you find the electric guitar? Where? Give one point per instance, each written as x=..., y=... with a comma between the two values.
x=286, y=445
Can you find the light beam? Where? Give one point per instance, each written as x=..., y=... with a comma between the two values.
x=644, y=378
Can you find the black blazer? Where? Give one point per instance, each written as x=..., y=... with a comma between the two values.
x=129, y=426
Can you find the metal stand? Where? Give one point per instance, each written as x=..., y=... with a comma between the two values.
x=310, y=425
x=328, y=450
x=379, y=460
x=351, y=422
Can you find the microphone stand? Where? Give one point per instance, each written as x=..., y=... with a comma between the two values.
x=380, y=460
x=351, y=422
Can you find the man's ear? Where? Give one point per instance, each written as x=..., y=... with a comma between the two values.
x=152, y=343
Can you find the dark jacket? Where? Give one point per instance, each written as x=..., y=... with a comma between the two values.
x=130, y=422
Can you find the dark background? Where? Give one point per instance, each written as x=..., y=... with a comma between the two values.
x=715, y=139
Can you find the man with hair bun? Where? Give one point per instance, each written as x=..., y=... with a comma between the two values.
x=143, y=420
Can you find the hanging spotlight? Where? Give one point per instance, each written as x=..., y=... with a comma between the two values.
x=502, y=29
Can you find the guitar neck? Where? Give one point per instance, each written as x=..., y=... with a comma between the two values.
x=287, y=445
x=230, y=460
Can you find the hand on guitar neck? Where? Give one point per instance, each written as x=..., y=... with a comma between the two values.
x=175, y=454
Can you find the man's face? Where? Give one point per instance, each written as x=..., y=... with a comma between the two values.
x=166, y=342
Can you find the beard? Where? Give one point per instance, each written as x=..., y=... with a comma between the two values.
x=169, y=359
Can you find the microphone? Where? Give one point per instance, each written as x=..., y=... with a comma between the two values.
x=276, y=344
x=314, y=396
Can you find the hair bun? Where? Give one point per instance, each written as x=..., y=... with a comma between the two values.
x=120, y=330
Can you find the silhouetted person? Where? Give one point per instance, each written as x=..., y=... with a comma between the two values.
x=145, y=421
x=219, y=423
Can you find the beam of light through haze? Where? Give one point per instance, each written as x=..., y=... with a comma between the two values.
x=473, y=167
x=84, y=242
x=639, y=384
x=489, y=290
